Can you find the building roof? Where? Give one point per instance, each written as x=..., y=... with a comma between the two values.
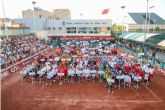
x=140, y=18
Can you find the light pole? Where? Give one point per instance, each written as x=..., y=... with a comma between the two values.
x=34, y=21
x=123, y=7
x=81, y=14
x=146, y=30
x=154, y=26
x=149, y=17
x=4, y=20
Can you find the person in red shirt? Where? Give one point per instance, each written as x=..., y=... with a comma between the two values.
x=135, y=66
x=117, y=66
x=97, y=63
x=141, y=73
x=65, y=70
x=127, y=68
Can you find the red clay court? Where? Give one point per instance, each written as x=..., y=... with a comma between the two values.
x=80, y=96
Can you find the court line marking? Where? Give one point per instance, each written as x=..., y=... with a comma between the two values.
x=93, y=100
x=98, y=100
x=153, y=94
x=137, y=94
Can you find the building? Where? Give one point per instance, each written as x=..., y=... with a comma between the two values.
x=79, y=26
x=137, y=24
x=40, y=23
x=62, y=14
x=40, y=13
x=68, y=26
x=12, y=28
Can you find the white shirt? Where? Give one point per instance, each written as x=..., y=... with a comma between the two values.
x=127, y=78
x=71, y=72
x=151, y=71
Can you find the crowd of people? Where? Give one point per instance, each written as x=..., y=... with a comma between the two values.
x=83, y=63
x=17, y=48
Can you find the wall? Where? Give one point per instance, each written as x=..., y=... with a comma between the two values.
x=133, y=27
x=29, y=22
x=11, y=32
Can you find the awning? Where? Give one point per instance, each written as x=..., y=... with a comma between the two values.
x=124, y=34
x=143, y=38
x=135, y=36
x=162, y=43
x=128, y=35
x=140, y=37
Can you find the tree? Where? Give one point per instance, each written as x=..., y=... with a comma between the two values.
x=157, y=29
x=117, y=28
x=140, y=29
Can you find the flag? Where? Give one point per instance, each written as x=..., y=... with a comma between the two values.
x=105, y=11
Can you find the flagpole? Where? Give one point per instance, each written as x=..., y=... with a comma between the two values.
x=111, y=24
x=106, y=11
x=122, y=7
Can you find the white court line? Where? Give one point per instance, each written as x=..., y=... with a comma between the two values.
x=154, y=94
x=92, y=100
x=137, y=94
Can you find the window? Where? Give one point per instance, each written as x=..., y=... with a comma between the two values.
x=95, y=28
x=71, y=30
x=97, y=23
x=40, y=16
x=77, y=23
x=63, y=23
x=82, y=30
x=54, y=28
x=69, y=23
x=49, y=28
x=59, y=28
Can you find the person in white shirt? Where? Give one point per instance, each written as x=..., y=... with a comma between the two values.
x=127, y=81
x=79, y=74
x=145, y=67
x=87, y=74
x=32, y=75
x=93, y=74
x=48, y=67
x=24, y=74
x=71, y=74
x=151, y=69
x=146, y=79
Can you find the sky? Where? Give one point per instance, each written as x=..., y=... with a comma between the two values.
x=91, y=9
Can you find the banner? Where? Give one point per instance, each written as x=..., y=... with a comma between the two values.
x=80, y=38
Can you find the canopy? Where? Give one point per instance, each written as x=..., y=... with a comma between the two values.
x=162, y=43
x=139, y=37
x=156, y=39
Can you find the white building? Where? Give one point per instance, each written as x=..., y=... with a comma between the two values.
x=68, y=26
x=79, y=26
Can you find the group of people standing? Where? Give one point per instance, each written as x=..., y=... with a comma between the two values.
x=106, y=64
